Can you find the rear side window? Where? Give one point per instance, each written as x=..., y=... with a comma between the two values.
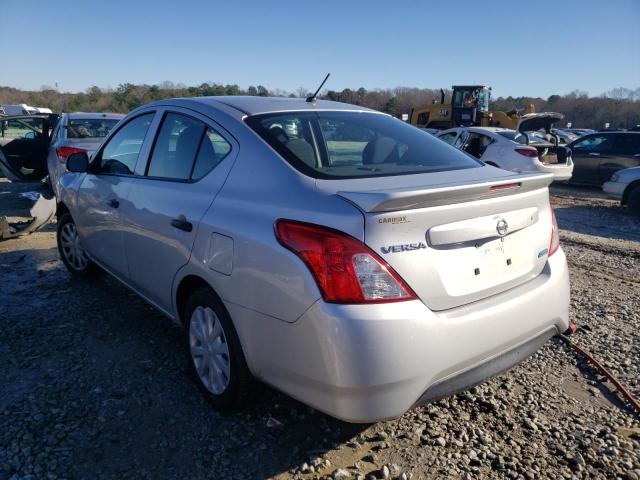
x=120, y=154
x=186, y=149
x=212, y=150
x=628, y=144
x=334, y=145
x=595, y=143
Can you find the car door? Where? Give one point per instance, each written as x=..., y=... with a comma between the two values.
x=625, y=153
x=102, y=194
x=24, y=142
x=587, y=154
x=189, y=163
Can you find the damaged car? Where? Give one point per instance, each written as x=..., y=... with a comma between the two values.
x=533, y=147
x=362, y=273
x=24, y=145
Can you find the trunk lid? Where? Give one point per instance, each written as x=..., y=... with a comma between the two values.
x=533, y=122
x=459, y=236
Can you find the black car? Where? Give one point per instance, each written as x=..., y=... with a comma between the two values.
x=598, y=155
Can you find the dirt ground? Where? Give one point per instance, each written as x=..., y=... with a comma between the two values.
x=94, y=384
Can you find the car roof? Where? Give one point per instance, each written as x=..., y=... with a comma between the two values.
x=81, y=115
x=480, y=129
x=253, y=105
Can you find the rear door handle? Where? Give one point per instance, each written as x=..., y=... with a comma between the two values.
x=594, y=154
x=181, y=222
x=113, y=203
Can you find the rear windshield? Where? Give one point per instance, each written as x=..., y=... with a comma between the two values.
x=329, y=144
x=89, y=127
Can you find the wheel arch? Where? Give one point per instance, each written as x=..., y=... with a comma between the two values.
x=61, y=209
x=188, y=284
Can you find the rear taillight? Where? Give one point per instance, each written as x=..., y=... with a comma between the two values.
x=64, y=152
x=527, y=152
x=345, y=269
x=554, y=244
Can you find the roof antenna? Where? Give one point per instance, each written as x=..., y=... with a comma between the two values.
x=312, y=98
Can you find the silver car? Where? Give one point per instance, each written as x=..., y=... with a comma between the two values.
x=76, y=132
x=340, y=255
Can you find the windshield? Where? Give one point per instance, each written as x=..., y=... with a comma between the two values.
x=90, y=127
x=472, y=98
x=483, y=100
x=329, y=144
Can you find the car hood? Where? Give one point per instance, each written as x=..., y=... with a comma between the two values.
x=533, y=122
x=628, y=175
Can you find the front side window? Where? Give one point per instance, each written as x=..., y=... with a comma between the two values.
x=461, y=139
x=476, y=144
x=448, y=137
x=186, y=149
x=326, y=144
x=27, y=128
x=120, y=154
x=596, y=143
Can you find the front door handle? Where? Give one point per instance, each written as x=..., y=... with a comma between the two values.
x=181, y=222
x=594, y=154
x=113, y=203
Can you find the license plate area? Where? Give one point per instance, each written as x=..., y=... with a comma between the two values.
x=494, y=258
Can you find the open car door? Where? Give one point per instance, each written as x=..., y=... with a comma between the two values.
x=24, y=143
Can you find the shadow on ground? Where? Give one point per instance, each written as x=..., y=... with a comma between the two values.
x=108, y=375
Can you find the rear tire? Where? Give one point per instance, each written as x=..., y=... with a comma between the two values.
x=214, y=352
x=71, y=250
x=633, y=201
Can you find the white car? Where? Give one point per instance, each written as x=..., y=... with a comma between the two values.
x=624, y=185
x=521, y=151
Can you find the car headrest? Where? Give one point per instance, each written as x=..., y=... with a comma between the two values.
x=380, y=150
x=303, y=150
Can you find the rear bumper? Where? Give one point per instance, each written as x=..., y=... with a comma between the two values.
x=364, y=363
x=561, y=173
x=614, y=190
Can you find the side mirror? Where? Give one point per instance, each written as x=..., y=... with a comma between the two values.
x=78, y=162
x=30, y=135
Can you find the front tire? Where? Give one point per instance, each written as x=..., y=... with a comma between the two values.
x=215, y=356
x=633, y=201
x=71, y=250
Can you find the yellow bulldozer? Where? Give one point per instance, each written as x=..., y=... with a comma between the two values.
x=469, y=106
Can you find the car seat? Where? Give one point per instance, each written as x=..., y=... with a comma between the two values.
x=380, y=150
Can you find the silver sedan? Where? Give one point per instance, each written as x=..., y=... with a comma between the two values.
x=340, y=255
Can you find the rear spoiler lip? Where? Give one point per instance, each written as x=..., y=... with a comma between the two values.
x=445, y=194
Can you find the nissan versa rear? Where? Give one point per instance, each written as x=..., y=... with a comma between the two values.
x=338, y=254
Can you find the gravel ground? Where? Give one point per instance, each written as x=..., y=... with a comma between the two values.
x=94, y=384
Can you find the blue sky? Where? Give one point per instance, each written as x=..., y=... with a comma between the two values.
x=521, y=48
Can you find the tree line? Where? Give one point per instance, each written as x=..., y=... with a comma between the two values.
x=619, y=107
